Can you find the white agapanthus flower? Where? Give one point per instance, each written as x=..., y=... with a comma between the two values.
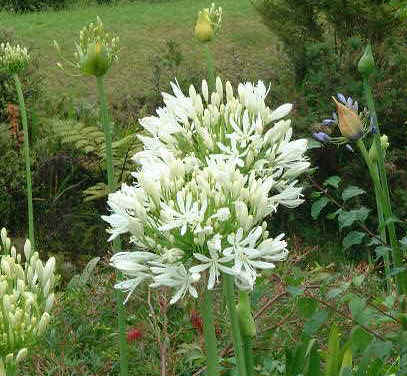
x=214, y=165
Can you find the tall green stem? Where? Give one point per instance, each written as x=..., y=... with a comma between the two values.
x=247, y=329
x=211, y=68
x=210, y=335
x=107, y=129
x=237, y=339
x=27, y=161
x=374, y=174
x=401, y=277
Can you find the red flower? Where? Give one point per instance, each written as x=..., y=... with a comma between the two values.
x=134, y=334
x=196, y=321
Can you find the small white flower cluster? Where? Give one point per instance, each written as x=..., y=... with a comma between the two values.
x=214, y=165
x=26, y=299
x=214, y=16
x=13, y=59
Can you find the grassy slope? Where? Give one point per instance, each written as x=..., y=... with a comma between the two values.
x=143, y=27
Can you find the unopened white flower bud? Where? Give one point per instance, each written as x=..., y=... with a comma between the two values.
x=13, y=252
x=229, y=91
x=49, y=268
x=21, y=355
x=205, y=92
x=42, y=325
x=20, y=285
x=215, y=99
x=219, y=88
x=3, y=235
x=5, y=266
x=27, y=249
x=9, y=358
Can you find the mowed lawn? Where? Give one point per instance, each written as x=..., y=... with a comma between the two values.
x=143, y=28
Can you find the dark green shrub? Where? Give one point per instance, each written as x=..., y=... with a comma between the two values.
x=324, y=40
x=32, y=5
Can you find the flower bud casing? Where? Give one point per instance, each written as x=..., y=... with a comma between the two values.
x=203, y=28
x=366, y=63
x=96, y=60
x=349, y=122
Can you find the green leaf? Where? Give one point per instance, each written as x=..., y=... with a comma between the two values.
x=315, y=322
x=317, y=206
x=333, y=293
x=382, y=251
x=403, y=242
x=353, y=238
x=313, y=144
x=333, y=181
x=358, y=280
x=396, y=271
x=351, y=191
x=295, y=291
x=347, y=218
x=357, y=305
x=389, y=221
x=360, y=339
x=333, y=358
x=333, y=215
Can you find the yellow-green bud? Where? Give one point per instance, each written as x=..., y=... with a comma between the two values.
x=96, y=60
x=366, y=63
x=349, y=121
x=203, y=29
x=384, y=141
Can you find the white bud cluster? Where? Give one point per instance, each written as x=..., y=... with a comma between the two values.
x=26, y=299
x=13, y=58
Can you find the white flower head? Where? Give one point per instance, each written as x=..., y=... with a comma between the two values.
x=213, y=167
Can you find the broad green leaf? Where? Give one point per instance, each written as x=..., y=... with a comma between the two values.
x=357, y=305
x=353, y=238
x=314, y=365
x=315, y=322
x=347, y=218
x=351, y=191
x=333, y=359
x=360, y=339
x=295, y=291
x=333, y=181
x=358, y=280
x=317, y=206
x=389, y=221
x=313, y=144
x=333, y=293
x=382, y=251
x=396, y=271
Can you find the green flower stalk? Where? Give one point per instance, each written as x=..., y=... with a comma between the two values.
x=95, y=53
x=366, y=67
x=14, y=60
x=26, y=300
x=208, y=24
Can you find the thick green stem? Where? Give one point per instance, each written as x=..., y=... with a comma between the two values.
x=401, y=277
x=247, y=329
x=211, y=69
x=237, y=339
x=210, y=335
x=27, y=161
x=104, y=116
x=373, y=171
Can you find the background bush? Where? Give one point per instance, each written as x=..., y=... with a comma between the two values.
x=324, y=40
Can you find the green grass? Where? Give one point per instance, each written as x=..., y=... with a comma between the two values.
x=143, y=28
